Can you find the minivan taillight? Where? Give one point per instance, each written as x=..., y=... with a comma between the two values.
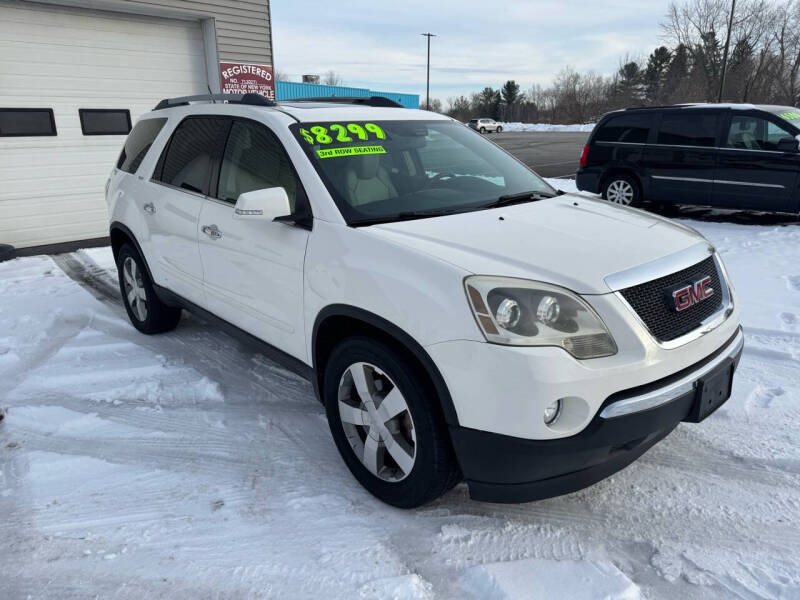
x=584, y=156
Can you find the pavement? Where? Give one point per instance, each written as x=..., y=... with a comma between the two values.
x=550, y=153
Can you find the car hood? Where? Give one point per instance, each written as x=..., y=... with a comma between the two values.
x=570, y=240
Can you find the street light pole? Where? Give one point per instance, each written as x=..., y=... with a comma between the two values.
x=428, y=76
x=725, y=53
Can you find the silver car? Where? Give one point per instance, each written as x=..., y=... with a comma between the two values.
x=485, y=125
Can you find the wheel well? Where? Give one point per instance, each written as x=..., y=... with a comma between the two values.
x=332, y=329
x=612, y=172
x=118, y=238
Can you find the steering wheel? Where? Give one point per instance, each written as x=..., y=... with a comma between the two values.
x=440, y=177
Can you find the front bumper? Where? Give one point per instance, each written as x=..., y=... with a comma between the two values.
x=501, y=468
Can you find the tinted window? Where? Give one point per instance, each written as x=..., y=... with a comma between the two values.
x=105, y=121
x=26, y=121
x=755, y=133
x=632, y=129
x=682, y=129
x=254, y=160
x=187, y=164
x=138, y=143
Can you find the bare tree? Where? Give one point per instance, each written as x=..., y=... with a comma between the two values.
x=332, y=78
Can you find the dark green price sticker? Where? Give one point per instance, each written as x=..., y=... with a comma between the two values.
x=351, y=132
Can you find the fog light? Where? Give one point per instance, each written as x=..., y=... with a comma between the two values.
x=548, y=310
x=551, y=412
x=508, y=313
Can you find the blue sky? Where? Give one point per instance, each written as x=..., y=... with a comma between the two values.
x=378, y=43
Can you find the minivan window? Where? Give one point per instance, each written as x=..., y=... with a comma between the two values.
x=187, y=164
x=138, y=143
x=755, y=133
x=693, y=129
x=254, y=159
x=631, y=129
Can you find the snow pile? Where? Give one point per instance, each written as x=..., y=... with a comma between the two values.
x=187, y=466
x=547, y=127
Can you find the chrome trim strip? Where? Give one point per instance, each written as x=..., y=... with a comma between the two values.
x=623, y=143
x=706, y=326
x=682, y=179
x=671, y=391
x=654, y=269
x=766, y=185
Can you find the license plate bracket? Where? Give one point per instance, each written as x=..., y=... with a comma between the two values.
x=712, y=391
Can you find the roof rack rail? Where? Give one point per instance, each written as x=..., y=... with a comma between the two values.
x=657, y=107
x=365, y=100
x=251, y=99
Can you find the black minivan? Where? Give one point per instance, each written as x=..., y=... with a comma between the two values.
x=741, y=156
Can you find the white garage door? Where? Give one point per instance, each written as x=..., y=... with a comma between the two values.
x=51, y=188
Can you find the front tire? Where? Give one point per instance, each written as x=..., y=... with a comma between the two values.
x=499, y=130
x=623, y=190
x=145, y=310
x=386, y=424
x=483, y=129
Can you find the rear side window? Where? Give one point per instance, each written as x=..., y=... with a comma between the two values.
x=187, y=163
x=254, y=160
x=631, y=129
x=138, y=143
x=105, y=121
x=16, y=122
x=693, y=129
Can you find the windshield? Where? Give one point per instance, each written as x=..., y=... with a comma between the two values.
x=787, y=113
x=389, y=170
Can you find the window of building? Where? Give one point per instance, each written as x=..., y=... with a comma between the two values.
x=693, y=129
x=16, y=122
x=187, y=163
x=105, y=121
x=138, y=143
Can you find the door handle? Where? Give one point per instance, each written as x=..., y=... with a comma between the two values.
x=212, y=231
x=149, y=208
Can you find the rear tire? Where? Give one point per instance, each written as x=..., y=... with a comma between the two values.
x=623, y=190
x=398, y=448
x=145, y=310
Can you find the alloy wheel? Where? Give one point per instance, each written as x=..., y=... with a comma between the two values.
x=620, y=192
x=377, y=422
x=134, y=288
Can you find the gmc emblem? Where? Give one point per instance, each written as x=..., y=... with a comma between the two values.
x=679, y=299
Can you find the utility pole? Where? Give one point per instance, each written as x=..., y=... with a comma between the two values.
x=725, y=53
x=428, y=76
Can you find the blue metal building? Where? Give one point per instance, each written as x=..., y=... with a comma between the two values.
x=286, y=90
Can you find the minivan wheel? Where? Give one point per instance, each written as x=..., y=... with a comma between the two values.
x=483, y=129
x=385, y=424
x=622, y=190
x=146, y=312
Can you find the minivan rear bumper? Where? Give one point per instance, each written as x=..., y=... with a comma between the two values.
x=588, y=180
x=501, y=468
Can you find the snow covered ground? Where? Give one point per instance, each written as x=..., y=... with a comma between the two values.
x=547, y=127
x=187, y=466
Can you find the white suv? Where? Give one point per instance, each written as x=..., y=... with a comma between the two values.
x=458, y=316
x=485, y=125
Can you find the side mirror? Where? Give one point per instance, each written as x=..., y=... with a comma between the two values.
x=263, y=205
x=788, y=144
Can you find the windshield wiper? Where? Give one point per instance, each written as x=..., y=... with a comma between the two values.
x=510, y=199
x=406, y=215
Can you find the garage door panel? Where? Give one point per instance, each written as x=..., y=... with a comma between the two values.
x=66, y=59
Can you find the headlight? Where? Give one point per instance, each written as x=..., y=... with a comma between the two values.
x=518, y=312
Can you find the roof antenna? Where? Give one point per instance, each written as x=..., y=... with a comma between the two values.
x=211, y=94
